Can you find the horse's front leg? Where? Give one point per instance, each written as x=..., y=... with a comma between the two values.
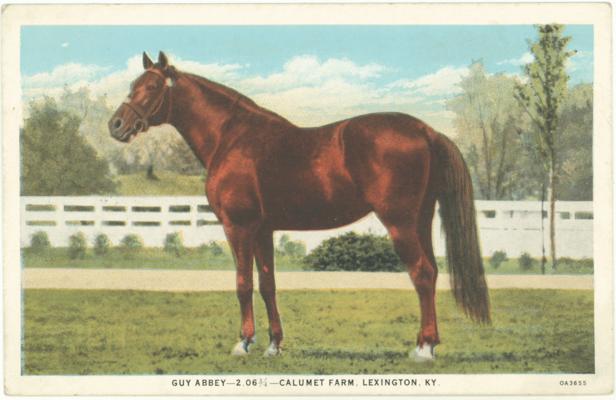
x=241, y=240
x=264, y=255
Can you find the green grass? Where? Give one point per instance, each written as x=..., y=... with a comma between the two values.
x=146, y=258
x=195, y=258
x=169, y=184
x=326, y=332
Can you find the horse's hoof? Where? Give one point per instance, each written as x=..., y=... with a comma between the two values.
x=423, y=353
x=272, y=350
x=241, y=348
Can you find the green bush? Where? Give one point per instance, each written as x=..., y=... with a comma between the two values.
x=584, y=265
x=39, y=242
x=174, y=244
x=77, y=246
x=498, y=257
x=213, y=248
x=290, y=248
x=102, y=244
x=526, y=262
x=353, y=252
x=131, y=244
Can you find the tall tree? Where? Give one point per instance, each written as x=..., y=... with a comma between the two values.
x=56, y=159
x=486, y=114
x=541, y=96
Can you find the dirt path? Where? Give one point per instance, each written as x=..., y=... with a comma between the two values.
x=181, y=281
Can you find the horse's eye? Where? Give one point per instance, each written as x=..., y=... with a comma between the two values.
x=152, y=86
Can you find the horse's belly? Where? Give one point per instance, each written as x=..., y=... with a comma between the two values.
x=305, y=209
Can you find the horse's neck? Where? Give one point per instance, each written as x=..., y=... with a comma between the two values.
x=203, y=109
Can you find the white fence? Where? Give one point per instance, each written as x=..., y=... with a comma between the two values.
x=510, y=226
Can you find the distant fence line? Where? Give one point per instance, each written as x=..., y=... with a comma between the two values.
x=510, y=226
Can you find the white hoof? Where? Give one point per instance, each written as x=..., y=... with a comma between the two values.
x=241, y=348
x=423, y=353
x=272, y=350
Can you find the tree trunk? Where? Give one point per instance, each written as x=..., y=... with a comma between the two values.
x=150, y=173
x=552, y=198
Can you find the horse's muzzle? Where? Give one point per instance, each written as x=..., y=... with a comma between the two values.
x=122, y=131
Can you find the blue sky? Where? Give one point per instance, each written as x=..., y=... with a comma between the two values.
x=280, y=64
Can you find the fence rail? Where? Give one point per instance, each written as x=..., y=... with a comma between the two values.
x=510, y=226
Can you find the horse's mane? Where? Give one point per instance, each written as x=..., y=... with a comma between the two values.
x=206, y=85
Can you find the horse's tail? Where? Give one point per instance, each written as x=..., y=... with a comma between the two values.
x=458, y=217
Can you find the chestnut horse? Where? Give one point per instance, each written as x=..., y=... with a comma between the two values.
x=266, y=174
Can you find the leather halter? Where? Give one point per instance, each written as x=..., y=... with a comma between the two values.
x=145, y=114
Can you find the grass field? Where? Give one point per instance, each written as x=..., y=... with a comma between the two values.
x=327, y=332
x=197, y=259
x=168, y=184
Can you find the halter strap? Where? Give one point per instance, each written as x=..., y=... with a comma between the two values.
x=144, y=115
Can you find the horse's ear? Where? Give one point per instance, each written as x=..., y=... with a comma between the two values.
x=147, y=63
x=162, y=60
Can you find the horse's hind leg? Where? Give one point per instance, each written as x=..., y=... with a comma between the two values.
x=264, y=255
x=405, y=237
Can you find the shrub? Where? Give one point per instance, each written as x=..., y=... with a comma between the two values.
x=77, y=246
x=101, y=244
x=39, y=241
x=290, y=248
x=526, y=262
x=173, y=244
x=131, y=244
x=497, y=259
x=583, y=265
x=212, y=247
x=353, y=252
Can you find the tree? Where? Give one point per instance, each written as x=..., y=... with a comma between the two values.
x=486, y=115
x=541, y=97
x=575, y=146
x=55, y=159
x=160, y=148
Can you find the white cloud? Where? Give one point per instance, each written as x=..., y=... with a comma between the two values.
x=306, y=90
x=524, y=59
x=65, y=74
x=443, y=82
x=65, y=44
x=307, y=70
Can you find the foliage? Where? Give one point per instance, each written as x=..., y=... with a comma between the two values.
x=290, y=248
x=77, y=246
x=39, y=241
x=542, y=97
x=55, y=159
x=174, y=244
x=486, y=115
x=212, y=247
x=131, y=244
x=497, y=259
x=354, y=252
x=585, y=265
x=575, y=145
x=327, y=332
x=526, y=262
x=102, y=244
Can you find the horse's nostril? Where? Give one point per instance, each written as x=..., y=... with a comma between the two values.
x=117, y=123
x=138, y=125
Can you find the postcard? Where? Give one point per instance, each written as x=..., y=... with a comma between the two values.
x=308, y=199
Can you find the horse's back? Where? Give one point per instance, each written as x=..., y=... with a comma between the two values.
x=389, y=157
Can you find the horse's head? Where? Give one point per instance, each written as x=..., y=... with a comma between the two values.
x=149, y=101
